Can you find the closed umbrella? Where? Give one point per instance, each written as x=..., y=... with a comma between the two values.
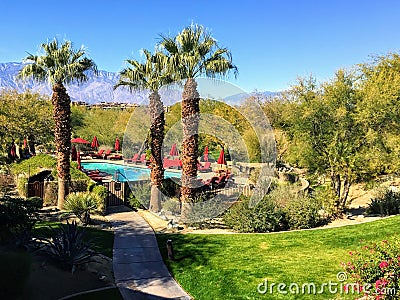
x=74, y=154
x=78, y=160
x=117, y=145
x=95, y=143
x=221, y=159
x=206, y=153
x=25, y=144
x=174, y=150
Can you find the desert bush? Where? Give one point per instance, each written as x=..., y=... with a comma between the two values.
x=375, y=268
x=303, y=212
x=102, y=193
x=22, y=182
x=50, y=193
x=81, y=204
x=140, y=195
x=67, y=246
x=386, y=203
x=17, y=217
x=37, y=202
x=172, y=205
x=266, y=216
x=15, y=269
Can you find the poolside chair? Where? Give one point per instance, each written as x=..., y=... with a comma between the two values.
x=98, y=154
x=131, y=160
x=142, y=159
x=205, y=168
x=115, y=157
x=108, y=152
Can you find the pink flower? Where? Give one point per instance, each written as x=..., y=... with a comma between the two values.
x=351, y=253
x=383, y=265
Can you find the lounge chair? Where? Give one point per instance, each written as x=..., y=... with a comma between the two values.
x=142, y=159
x=108, y=153
x=131, y=160
x=115, y=157
x=172, y=163
x=98, y=154
x=205, y=168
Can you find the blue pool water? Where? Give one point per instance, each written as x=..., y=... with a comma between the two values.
x=123, y=172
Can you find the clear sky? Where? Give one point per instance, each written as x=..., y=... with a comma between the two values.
x=272, y=42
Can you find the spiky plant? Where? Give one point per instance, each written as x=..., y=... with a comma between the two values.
x=191, y=54
x=151, y=75
x=60, y=64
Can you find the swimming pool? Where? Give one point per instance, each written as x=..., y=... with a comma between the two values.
x=123, y=172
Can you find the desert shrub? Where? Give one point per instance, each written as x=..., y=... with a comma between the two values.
x=140, y=197
x=386, y=203
x=172, y=205
x=81, y=204
x=90, y=186
x=15, y=269
x=22, y=182
x=17, y=217
x=329, y=201
x=79, y=185
x=303, y=212
x=266, y=216
x=375, y=268
x=102, y=193
x=37, y=202
x=67, y=246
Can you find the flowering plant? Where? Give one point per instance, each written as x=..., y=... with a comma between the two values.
x=376, y=268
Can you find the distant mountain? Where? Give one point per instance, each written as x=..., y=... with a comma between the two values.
x=97, y=89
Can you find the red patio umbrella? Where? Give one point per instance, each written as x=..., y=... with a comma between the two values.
x=221, y=159
x=79, y=141
x=13, y=151
x=95, y=143
x=206, y=153
x=25, y=144
x=174, y=150
x=117, y=145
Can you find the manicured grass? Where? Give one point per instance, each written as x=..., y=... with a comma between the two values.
x=231, y=266
x=103, y=239
x=109, y=294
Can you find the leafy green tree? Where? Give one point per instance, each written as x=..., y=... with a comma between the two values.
x=60, y=64
x=326, y=133
x=151, y=75
x=22, y=116
x=193, y=53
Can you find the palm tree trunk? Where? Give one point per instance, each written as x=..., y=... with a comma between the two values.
x=62, y=136
x=157, y=138
x=190, y=144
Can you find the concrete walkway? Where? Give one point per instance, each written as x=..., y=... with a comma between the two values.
x=139, y=270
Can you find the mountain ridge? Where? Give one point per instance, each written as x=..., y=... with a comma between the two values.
x=99, y=88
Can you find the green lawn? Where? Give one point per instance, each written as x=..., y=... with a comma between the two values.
x=231, y=266
x=103, y=239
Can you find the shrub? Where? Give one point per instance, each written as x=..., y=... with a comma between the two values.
x=386, y=203
x=302, y=212
x=140, y=197
x=15, y=269
x=67, y=246
x=172, y=205
x=22, y=182
x=81, y=204
x=17, y=217
x=102, y=193
x=266, y=216
x=376, y=269
x=37, y=202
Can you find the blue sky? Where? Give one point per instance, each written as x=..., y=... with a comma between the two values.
x=272, y=42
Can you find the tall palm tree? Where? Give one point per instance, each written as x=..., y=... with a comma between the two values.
x=191, y=54
x=151, y=75
x=59, y=65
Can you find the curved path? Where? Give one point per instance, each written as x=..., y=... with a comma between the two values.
x=139, y=270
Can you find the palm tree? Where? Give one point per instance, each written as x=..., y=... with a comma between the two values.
x=191, y=54
x=151, y=75
x=60, y=64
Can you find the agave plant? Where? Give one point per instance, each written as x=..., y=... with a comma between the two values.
x=67, y=246
x=81, y=204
